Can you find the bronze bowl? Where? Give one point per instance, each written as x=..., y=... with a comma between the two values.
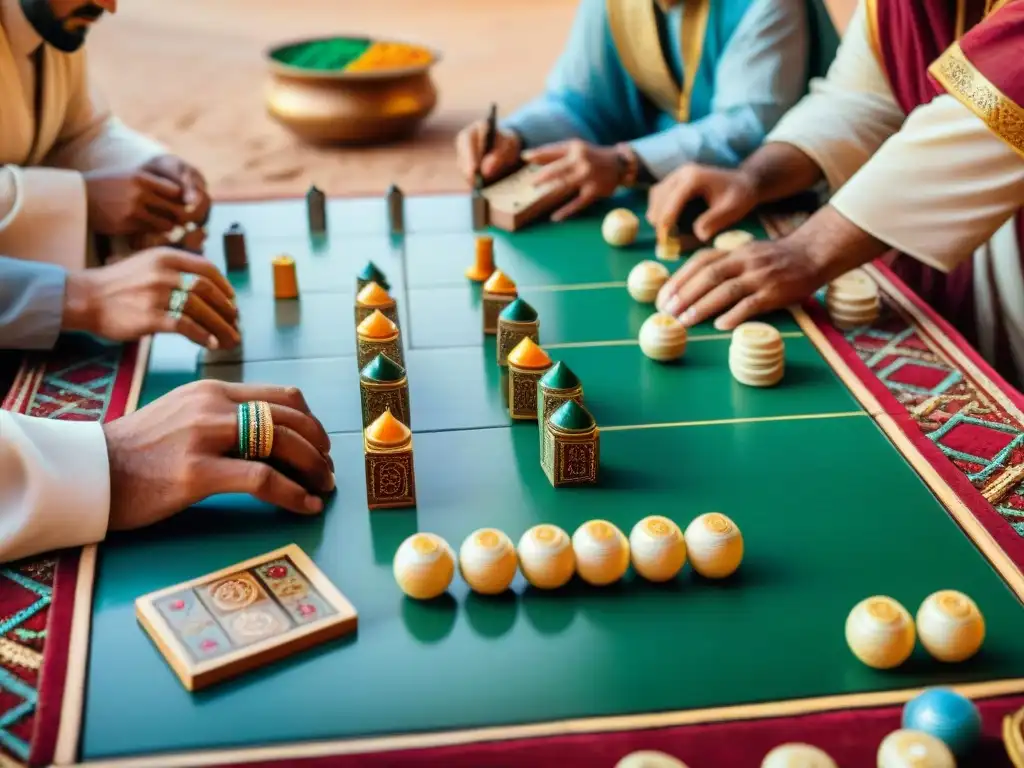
x=332, y=106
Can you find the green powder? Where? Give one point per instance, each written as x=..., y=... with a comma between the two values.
x=322, y=55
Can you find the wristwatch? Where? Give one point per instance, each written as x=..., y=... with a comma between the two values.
x=629, y=165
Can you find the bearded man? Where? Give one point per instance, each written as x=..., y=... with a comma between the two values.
x=69, y=168
x=918, y=131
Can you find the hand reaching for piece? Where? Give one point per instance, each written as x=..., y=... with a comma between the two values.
x=127, y=202
x=729, y=194
x=470, y=157
x=189, y=180
x=182, y=448
x=595, y=172
x=158, y=290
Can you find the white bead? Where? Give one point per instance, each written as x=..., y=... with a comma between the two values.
x=487, y=561
x=714, y=545
x=880, y=632
x=546, y=556
x=645, y=280
x=663, y=338
x=914, y=749
x=620, y=227
x=798, y=756
x=649, y=759
x=657, y=548
x=950, y=626
x=424, y=566
x=602, y=552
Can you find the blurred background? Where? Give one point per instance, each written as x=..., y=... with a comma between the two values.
x=191, y=73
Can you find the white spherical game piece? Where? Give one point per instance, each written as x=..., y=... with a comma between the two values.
x=487, y=561
x=645, y=280
x=620, y=227
x=546, y=557
x=730, y=241
x=649, y=759
x=880, y=632
x=950, y=626
x=663, y=338
x=657, y=548
x=798, y=756
x=424, y=566
x=914, y=749
x=602, y=552
x=714, y=545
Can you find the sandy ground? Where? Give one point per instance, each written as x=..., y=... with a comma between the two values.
x=193, y=78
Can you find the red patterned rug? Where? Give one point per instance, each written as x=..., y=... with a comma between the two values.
x=962, y=417
x=81, y=380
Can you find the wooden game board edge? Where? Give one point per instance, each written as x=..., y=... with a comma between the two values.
x=197, y=676
x=616, y=723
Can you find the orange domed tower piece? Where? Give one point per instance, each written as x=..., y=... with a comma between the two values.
x=390, y=476
x=377, y=335
x=373, y=296
x=527, y=363
x=499, y=292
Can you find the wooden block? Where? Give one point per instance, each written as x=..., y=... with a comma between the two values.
x=243, y=617
x=514, y=201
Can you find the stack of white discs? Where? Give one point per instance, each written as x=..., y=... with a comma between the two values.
x=730, y=241
x=487, y=561
x=880, y=632
x=620, y=227
x=797, y=756
x=914, y=749
x=602, y=552
x=950, y=626
x=645, y=280
x=424, y=566
x=714, y=545
x=663, y=337
x=853, y=300
x=757, y=355
x=546, y=556
x=657, y=548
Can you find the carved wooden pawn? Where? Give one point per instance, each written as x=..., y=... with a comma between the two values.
x=377, y=335
x=235, y=255
x=316, y=211
x=384, y=386
x=390, y=474
x=516, y=322
x=527, y=363
x=572, y=451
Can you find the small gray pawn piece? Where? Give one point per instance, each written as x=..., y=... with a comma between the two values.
x=396, y=212
x=316, y=210
x=479, y=210
x=234, y=247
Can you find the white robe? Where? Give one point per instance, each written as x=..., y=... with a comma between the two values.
x=43, y=214
x=967, y=183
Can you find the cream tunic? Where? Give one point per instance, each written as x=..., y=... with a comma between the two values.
x=43, y=214
x=964, y=184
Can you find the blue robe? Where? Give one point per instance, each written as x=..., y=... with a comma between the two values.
x=752, y=68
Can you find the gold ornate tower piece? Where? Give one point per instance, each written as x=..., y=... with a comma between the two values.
x=516, y=322
x=555, y=387
x=499, y=291
x=527, y=363
x=390, y=476
x=383, y=386
x=572, y=450
x=377, y=335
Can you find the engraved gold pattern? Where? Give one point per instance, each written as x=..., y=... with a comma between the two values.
x=256, y=623
x=510, y=334
x=233, y=593
x=378, y=398
x=523, y=393
x=963, y=81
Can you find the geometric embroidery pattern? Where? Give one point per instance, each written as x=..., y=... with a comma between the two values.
x=75, y=382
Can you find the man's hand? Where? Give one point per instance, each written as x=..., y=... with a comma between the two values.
x=470, y=157
x=189, y=180
x=762, y=277
x=132, y=299
x=128, y=202
x=730, y=196
x=180, y=449
x=595, y=172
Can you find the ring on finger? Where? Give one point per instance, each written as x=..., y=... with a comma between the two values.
x=176, y=306
x=255, y=430
x=187, y=281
